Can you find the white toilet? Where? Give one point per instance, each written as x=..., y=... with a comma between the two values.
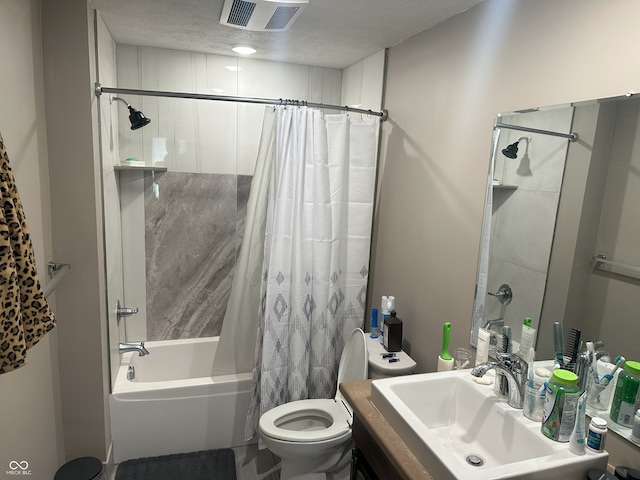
x=381, y=367
x=313, y=437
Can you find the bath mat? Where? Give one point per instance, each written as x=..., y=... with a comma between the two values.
x=206, y=465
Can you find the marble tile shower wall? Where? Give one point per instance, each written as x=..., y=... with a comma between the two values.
x=192, y=234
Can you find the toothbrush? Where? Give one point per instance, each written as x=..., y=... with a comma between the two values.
x=592, y=359
x=607, y=377
x=582, y=369
x=558, y=342
x=531, y=356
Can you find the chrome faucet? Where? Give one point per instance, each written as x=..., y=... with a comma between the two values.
x=515, y=369
x=496, y=321
x=133, y=347
x=125, y=311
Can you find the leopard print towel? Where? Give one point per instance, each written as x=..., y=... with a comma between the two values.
x=25, y=315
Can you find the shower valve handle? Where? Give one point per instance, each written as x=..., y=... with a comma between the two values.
x=504, y=294
x=124, y=311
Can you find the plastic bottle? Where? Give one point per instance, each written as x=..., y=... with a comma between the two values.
x=576, y=441
x=374, y=323
x=482, y=350
x=387, y=304
x=527, y=338
x=597, y=434
x=625, y=397
x=560, y=405
x=635, y=431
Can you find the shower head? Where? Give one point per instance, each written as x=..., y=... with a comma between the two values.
x=136, y=117
x=512, y=150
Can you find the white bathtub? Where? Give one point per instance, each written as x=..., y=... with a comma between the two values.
x=173, y=405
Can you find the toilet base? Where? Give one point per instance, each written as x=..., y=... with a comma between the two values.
x=339, y=464
x=290, y=472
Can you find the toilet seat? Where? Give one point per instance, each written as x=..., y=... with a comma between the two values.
x=319, y=420
x=310, y=415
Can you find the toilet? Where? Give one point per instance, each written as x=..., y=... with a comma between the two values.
x=313, y=436
x=381, y=367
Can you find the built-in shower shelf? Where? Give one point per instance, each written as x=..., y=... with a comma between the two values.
x=503, y=186
x=141, y=168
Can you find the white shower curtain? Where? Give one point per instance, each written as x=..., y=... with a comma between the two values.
x=235, y=352
x=316, y=254
x=480, y=300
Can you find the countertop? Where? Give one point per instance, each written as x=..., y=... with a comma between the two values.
x=358, y=394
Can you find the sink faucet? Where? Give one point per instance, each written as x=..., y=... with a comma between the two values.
x=133, y=347
x=515, y=370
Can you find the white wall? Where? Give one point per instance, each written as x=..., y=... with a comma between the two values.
x=362, y=83
x=107, y=72
x=444, y=87
x=76, y=213
x=30, y=406
x=612, y=297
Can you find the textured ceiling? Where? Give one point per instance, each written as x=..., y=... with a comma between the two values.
x=328, y=33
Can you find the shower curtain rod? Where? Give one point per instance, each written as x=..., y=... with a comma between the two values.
x=223, y=98
x=571, y=136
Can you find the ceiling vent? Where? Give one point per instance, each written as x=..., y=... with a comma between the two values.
x=261, y=15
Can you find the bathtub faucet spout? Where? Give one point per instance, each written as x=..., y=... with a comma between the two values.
x=133, y=347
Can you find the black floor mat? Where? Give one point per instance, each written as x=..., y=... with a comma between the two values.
x=207, y=465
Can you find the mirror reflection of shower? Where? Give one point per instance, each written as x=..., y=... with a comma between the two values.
x=511, y=151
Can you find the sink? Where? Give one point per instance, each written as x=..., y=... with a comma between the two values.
x=460, y=430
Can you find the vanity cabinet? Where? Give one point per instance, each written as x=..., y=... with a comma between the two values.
x=369, y=462
x=379, y=453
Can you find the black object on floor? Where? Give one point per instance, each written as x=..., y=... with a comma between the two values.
x=206, y=465
x=84, y=468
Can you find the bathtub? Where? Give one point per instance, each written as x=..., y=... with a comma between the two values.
x=173, y=404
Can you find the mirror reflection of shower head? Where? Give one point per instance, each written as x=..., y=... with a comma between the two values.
x=512, y=150
x=136, y=117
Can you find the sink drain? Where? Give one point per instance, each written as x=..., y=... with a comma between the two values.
x=475, y=460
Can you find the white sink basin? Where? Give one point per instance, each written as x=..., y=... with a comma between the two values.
x=449, y=422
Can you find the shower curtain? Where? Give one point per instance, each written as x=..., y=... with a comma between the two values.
x=235, y=351
x=480, y=300
x=316, y=253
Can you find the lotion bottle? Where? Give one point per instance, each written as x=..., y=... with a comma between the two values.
x=527, y=338
x=482, y=350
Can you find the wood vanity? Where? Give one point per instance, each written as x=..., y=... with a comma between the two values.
x=380, y=452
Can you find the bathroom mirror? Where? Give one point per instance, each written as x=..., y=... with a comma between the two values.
x=561, y=225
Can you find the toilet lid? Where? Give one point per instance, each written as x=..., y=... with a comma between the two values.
x=306, y=421
x=354, y=362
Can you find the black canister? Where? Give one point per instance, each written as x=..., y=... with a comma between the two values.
x=392, y=333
